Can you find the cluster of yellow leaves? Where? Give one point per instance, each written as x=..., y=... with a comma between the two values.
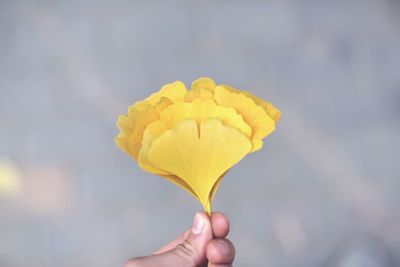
x=193, y=137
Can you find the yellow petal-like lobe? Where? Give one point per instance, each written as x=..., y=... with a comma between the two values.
x=202, y=88
x=200, y=110
x=133, y=125
x=203, y=83
x=271, y=110
x=199, y=156
x=175, y=91
x=192, y=95
x=254, y=115
x=153, y=131
x=125, y=126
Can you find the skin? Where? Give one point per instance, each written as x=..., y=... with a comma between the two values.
x=204, y=244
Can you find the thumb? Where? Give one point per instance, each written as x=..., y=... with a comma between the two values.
x=189, y=253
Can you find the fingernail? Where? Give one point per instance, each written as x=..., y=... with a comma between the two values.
x=223, y=247
x=198, y=224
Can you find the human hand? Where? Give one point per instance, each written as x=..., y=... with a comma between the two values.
x=205, y=243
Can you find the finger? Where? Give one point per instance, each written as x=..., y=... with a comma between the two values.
x=220, y=224
x=220, y=251
x=191, y=252
x=173, y=243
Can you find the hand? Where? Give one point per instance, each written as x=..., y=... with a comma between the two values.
x=204, y=243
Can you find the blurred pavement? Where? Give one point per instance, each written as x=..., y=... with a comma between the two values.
x=70, y=198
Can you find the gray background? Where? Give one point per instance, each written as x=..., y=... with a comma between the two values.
x=328, y=176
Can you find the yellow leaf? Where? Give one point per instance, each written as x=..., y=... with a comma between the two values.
x=153, y=131
x=254, y=115
x=199, y=156
x=271, y=110
x=201, y=110
x=193, y=138
x=175, y=91
x=132, y=126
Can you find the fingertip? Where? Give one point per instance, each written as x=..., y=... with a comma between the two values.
x=220, y=215
x=220, y=251
x=220, y=224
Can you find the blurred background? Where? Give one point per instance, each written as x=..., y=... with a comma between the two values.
x=324, y=191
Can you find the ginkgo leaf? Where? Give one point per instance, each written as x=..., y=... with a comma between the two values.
x=192, y=138
x=253, y=114
x=199, y=155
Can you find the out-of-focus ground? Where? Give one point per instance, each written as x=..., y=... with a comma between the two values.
x=328, y=176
